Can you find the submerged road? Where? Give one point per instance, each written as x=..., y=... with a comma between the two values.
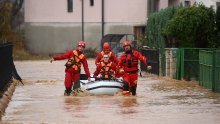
x=158, y=101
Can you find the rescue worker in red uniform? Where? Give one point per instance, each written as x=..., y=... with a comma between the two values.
x=106, y=69
x=106, y=50
x=76, y=58
x=128, y=67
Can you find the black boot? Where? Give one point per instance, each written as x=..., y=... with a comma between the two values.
x=67, y=92
x=125, y=86
x=125, y=91
x=76, y=85
x=133, y=90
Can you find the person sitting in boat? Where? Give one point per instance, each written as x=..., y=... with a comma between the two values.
x=106, y=69
x=76, y=58
x=106, y=50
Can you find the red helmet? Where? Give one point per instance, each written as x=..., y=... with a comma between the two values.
x=106, y=46
x=126, y=43
x=82, y=43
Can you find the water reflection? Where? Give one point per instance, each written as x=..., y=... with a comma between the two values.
x=128, y=105
x=128, y=102
x=75, y=104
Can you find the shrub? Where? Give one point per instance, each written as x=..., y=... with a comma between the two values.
x=193, y=27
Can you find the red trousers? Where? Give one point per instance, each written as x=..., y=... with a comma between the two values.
x=71, y=77
x=130, y=78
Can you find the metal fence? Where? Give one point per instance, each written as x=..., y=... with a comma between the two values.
x=152, y=58
x=7, y=67
x=187, y=66
x=209, y=62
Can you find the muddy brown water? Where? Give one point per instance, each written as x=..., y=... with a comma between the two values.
x=158, y=101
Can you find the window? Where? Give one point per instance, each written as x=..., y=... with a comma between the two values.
x=153, y=6
x=91, y=2
x=139, y=32
x=187, y=3
x=69, y=5
x=173, y=2
x=217, y=4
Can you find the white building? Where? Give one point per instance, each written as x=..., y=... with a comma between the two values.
x=54, y=26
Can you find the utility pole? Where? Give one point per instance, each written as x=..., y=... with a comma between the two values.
x=83, y=20
x=103, y=18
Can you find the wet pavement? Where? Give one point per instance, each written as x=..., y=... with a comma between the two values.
x=158, y=101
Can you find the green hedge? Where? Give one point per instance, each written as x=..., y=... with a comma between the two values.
x=193, y=27
x=154, y=37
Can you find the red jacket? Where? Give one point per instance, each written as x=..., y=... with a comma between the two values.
x=69, y=54
x=100, y=67
x=129, y=62
x=112, y=58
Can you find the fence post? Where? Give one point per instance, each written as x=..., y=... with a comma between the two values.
x=182, y=50
x=213, y=71
x=178, y=64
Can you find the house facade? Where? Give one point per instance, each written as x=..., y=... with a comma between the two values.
x=54, y=26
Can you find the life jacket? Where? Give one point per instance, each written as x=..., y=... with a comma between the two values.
x=109, y=55
x=130, y=62
x=75, y=61
x=106, y=70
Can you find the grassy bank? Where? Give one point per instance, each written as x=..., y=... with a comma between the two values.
x=19, y=50
x=20, y=53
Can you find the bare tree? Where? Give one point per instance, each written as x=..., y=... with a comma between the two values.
x=9, y=10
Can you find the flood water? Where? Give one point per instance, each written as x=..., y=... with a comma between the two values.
x=158, y=101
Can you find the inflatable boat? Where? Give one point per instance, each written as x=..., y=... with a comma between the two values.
x=102, y=87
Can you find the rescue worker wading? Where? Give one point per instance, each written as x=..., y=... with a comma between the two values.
x=106, y=69
x=106, y=50
x=128, y=67
x=73, y=66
